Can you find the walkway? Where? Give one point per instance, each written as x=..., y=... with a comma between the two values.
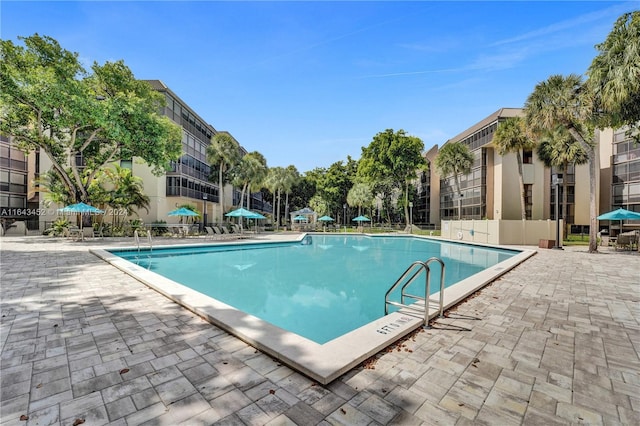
x=555, y=341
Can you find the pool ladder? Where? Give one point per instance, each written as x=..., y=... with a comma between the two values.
x=136, y=238
x=408, y=277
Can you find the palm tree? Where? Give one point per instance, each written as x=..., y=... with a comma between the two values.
x=291, y=178
x=614, y=74
x=223, y=154
x=252, y=169
x=455, y=158
x=557, y=148
x=511, y=137
x=360, y=195
x=275, y=182
x=120, y=189
x=565, y=101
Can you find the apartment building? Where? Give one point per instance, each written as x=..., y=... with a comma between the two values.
x=619, y=175
x=491, y=190
x=17, y=200
x=187, y=181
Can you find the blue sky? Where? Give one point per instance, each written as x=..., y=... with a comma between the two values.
x=310, y=83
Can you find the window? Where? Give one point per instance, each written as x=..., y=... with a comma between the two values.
x=527, y=156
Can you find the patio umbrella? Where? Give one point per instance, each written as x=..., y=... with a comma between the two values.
x=324, y=220
x=242, y=212
x=361, y=219
x=80, y=208
x=300, y=218
x=620, y=214
x=182, y=211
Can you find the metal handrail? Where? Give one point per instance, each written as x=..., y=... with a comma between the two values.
x=136, y=239
x=414, y=270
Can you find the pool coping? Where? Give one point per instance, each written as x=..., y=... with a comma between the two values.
x=321, y=362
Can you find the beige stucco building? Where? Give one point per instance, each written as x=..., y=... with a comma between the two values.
x=491, y=191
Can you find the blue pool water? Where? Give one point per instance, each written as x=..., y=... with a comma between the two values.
x=320, y=288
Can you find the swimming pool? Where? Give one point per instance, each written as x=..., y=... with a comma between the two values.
x=307, y=295
x=341, y=279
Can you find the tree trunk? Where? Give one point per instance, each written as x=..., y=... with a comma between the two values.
x=244, y=187
x=406, y=203
x=564, y=199
x=523, y=207
x=458, y=194
x=591, y=154
x=278, y=210
x=286, y=208
x=221, y=190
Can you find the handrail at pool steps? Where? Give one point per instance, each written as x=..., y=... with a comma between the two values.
x=412, y=272
x=136, y=239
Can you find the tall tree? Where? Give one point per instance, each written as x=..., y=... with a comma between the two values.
x=614, y=74
x=49, y=101
x=302, y=192
x=359, y=196
x=567, y=102
x=319, y=205
x=223, y=154
x=511, y=137
x=455, y=158
x=333, y=184
x=392, y=157
x=251, y=170
x=275, y=182
x=291, y=178
x=557, y=148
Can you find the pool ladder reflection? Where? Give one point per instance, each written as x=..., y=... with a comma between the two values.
x=408, y=277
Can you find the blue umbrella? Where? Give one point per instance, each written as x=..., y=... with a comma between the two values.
x=620, y=214
x=80, y=208
x=242, y=212
x=326, y=219
x=182, y=211
x=361, y=219
x=300, y=218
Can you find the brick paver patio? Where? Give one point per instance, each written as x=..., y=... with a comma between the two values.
x=555, y=341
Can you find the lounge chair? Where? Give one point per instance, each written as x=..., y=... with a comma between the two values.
x=221, y=234
x=211, y=233
x=97, y=232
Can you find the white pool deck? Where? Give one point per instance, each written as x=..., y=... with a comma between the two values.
x=321, y=362
x=553, y=341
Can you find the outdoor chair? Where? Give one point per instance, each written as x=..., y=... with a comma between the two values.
x=625, y=241
x=87, y=232
x=211, y=233
x=97, y=232
x=221, y=233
